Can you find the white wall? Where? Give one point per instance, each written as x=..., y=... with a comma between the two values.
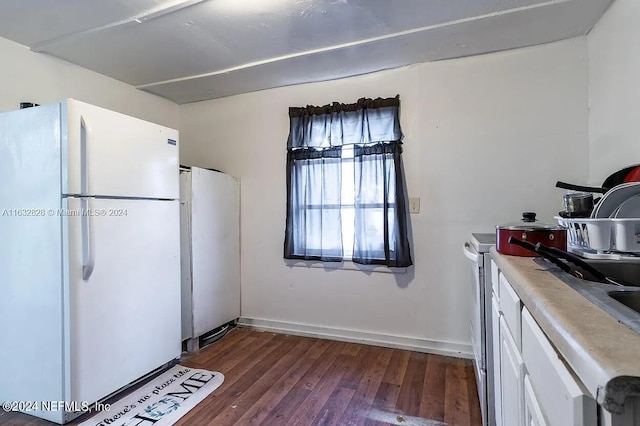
x=485, y=139
x=38, y=78
x=614, y=90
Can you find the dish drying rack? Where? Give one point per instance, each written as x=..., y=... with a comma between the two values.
x=603, y=235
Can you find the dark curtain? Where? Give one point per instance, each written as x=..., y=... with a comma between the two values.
x=314, y=182
x=314, y=223
x=381, y=213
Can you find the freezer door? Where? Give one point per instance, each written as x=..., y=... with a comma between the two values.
x=125, y=311
x=111, y=154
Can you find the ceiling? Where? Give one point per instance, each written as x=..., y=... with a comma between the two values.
x=192, y=50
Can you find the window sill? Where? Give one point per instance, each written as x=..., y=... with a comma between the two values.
x=346, y=265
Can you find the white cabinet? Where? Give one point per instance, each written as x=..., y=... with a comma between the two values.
x=497, y=381
x=533, y=386
x=508, y=367
x=563, y=399
x=512, y=368
x=532, y=413
x=210, y=252
x=495, y=283
x=510, y=307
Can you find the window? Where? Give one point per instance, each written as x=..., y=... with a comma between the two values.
x=345, y=184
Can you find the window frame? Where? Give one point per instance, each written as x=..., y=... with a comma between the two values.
x=325, y=223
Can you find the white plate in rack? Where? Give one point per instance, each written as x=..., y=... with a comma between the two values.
x=614, y=198
x=629, y=209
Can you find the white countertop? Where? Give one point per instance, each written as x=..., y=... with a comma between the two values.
x=604, y=354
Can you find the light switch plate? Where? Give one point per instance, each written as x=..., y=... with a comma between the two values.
x=414, y=205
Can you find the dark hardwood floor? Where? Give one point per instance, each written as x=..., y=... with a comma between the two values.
x=276, y=379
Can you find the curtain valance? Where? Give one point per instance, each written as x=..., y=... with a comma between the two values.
x=364, y=122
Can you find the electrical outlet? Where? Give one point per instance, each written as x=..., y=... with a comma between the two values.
x=414, y=205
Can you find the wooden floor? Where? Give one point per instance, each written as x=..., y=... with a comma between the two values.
x=275, y=379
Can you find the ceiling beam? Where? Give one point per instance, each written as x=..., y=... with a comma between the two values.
x=156, y=12
x=349, y=44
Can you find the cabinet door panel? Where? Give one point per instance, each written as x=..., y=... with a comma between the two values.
x=512, y=368
x=495, y=283
x=532, y=413
x=562, y=398
x=495, y=322
x=510, y=306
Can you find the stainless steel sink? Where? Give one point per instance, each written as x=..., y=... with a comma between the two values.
x=624, y=271
x=630, y=299
x=622, y=303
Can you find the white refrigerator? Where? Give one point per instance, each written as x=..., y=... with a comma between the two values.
x=210, y=220
x=89, y=253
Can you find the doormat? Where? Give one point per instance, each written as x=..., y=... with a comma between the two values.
x=162, y=401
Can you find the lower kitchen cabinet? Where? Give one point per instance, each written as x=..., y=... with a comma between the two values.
x=512, y=368
x=532, y=413
x=533, y=385
x=562, y=397
x=510, y=310
x=497, y=374
x=507, y=361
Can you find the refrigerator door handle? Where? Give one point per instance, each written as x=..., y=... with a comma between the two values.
x=84, y=158
x=88, y=260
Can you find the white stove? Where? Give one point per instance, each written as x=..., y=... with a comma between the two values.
x=477, y=251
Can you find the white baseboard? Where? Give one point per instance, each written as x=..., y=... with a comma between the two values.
x=457, y=350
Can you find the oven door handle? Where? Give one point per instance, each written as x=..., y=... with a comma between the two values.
x=471, y=253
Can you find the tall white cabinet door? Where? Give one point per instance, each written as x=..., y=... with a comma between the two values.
x=125, y=316
x=215, y=245
x=185, y=254
x=497, y=380
x=512, y=368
